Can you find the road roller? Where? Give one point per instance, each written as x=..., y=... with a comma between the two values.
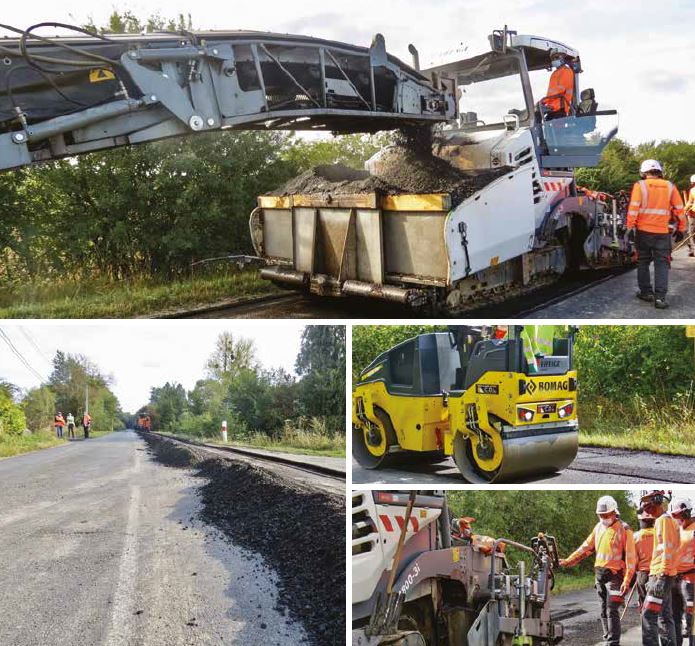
x=502, y=400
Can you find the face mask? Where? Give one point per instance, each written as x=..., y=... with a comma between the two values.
x=607, y=522
x=556, y=63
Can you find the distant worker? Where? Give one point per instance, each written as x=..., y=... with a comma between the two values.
x=613, y=543
x=657, y=607
x=59, y=423
x=655, y=212
x=86, y=424
x=71, y=425
x=644, y=547
x=690, y=214
x=681, y=509
x=558, y=101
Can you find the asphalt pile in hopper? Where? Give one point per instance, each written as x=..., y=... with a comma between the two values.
x=300, y=533
x=407, y=167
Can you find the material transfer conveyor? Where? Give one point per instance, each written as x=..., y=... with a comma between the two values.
x=64, y=96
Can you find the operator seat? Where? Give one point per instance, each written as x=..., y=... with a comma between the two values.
x=587, y=103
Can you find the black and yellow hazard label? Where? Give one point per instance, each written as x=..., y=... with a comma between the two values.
x=99, y=75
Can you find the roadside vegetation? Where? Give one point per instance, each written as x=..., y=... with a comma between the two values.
x=130, y=297
x=26, y=418
x=636, y=382
x=569, y=516
x=264, y=408
x=637, y=387
x=114, y=234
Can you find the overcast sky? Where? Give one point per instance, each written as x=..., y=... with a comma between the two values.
x=142, y=354
x=636, y=55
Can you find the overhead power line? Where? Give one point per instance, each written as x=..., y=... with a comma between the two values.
x=18, y=354
x=35, y=345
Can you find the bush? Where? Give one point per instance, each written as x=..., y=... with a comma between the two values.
x=12, y=419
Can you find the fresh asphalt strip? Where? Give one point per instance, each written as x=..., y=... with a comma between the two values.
x=298, y=531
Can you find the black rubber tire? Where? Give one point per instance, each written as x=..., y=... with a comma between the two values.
x=362, y=454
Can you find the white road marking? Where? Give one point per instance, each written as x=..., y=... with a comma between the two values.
x=120, y=629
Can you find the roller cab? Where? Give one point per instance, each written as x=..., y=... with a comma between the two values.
x=398, y=407
x=502, y=403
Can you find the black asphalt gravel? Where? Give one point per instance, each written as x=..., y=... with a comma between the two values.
x=298, y=531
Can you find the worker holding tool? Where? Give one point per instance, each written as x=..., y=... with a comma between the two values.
x=613, y=543
x=681, y=509
x=662, y=573
x=558, y=101
x=655, y=212
x=644, y=547
x=690, y=214
x=59, y=423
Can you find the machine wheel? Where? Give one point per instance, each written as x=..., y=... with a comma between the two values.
x=370, y=446
x=478, y=463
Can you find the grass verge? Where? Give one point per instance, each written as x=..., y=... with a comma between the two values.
x=299, y=444
x=123, y=299
x=571, y=582
x=16, y=444
x=11, y=445
x=640, y=424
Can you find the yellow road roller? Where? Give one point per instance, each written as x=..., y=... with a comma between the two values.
x=501, y=400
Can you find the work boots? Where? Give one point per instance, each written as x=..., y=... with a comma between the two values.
x=660, y=303
x=645, y=296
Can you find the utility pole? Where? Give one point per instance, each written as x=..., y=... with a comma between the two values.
x=86, y=398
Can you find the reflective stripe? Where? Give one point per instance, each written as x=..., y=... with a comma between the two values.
x=656, y=212
x=651, y=599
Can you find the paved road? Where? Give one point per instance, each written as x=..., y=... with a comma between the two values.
x=616, y=298
x=593, y=465
x=100, y=547
x=579, y=613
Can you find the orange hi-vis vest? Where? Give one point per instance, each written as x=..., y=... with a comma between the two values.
x=614, y=547
x=560, y=90
x=654, y=203
x=644, y=548
x=666, y=547
x=685, y=561
x=690, y=204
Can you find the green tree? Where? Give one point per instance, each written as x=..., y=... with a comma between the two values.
x=39, y=407
x=12, y=419
x=231, y=356
x=321, y=365
x=169, y=402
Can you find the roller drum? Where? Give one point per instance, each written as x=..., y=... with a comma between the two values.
x=526, y=452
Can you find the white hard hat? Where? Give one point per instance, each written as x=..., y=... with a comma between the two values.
x=606, y=504
x=678, y=505
x=649, y=165
x=692, y=179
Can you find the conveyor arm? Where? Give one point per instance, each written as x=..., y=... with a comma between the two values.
x=63, y=96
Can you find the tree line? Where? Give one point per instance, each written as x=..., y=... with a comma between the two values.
x=72, y=378
x=613, y=361
x=569, y=516
x=260, y=401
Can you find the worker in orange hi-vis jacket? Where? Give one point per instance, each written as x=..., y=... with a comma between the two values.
x=613, y=543
x=681, y=509
x=655, y=212
x=663, y=569
x=558, y=100
x=644, y=548
x=690, y=214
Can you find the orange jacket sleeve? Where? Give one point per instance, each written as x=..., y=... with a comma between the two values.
x=677, y=208
x=630, y=556
x=634, y=206
x=587, y=548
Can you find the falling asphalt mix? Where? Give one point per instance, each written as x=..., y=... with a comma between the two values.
x=298, y=532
